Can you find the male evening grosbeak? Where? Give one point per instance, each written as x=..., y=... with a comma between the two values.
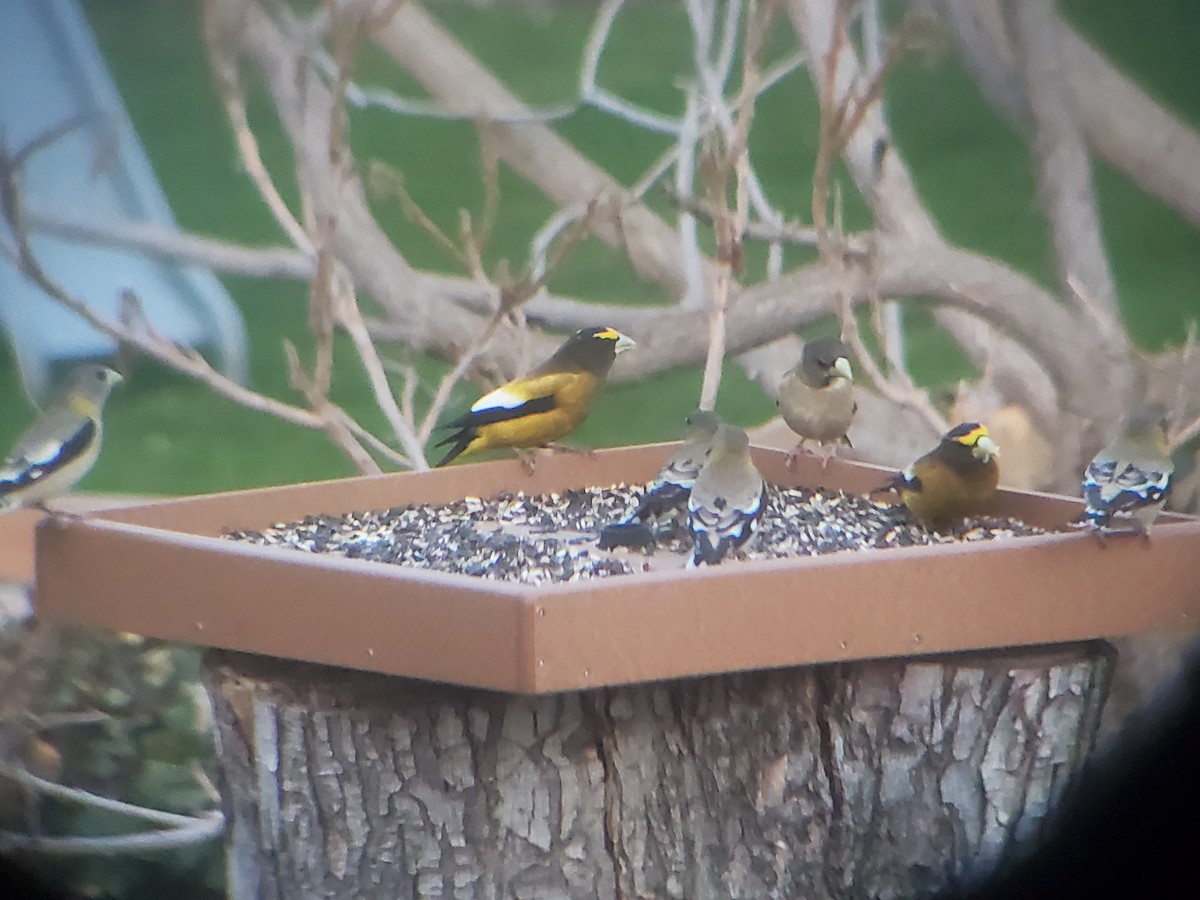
x=543, y=406
x=727, y=498
x=956, y=478
x=63, y=442
x=1127, y=483
x=816, y=398
x=669, y=491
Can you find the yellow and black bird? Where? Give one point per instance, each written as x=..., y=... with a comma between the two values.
x=956, y=478
x=727, y=498
x=1127, y=483
x=62, y=444
x=816, y=398
x=670, y=489
x=539, y=408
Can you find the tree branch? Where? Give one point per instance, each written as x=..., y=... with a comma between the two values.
x=181, y=830
x=1128, y=127
x=1064, y=169
x=452, y=75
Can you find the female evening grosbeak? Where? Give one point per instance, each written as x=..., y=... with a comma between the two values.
x=1127, y=483
x=669, y=491
x=956, y=478
x=543, y=406
x=727, y=499
x=816, y=398
x=63, y=442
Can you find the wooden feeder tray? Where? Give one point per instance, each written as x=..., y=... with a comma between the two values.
x=164, y=570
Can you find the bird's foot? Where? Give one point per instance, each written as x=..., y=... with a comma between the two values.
x=1133, y=528
x=58, y=515
x=567, y=448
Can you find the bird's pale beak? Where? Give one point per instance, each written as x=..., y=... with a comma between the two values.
x=624, y=343
x=986, y=448
x=842, y=366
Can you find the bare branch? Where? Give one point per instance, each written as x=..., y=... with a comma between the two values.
x=155, y=240
x=361, y=244
x=329, y=417
x=182, y=830
x=229, y=89
x=695, y=294
x=184, y=360
x=453, y=75
x=590, y=90
x=349, y=316
x=1134, y=132
x=792, y=234
x=203, y=829
x=1064, y=170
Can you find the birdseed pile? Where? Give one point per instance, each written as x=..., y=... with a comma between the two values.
x=536, y=539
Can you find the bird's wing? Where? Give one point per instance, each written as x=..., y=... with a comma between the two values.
x=674, y=483
x=1111, y=485
x=523, y=397
x=660, y=497
x=57, y=438
x=905, y=480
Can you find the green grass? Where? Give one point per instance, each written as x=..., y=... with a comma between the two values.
x=169, y=435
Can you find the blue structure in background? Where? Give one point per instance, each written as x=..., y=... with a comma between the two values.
x=51, y=72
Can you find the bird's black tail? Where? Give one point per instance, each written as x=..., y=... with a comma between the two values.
x=461, y=439
x=626, y=534
x=894, y=483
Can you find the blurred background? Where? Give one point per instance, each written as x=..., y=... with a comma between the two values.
x=168, y=434
x=171, y=434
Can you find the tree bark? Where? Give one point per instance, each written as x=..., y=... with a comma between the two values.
x=872, y=779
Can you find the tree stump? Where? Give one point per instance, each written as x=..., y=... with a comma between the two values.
x=873, y=779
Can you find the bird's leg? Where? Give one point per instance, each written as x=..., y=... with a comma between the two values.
x=827, y=452
x=527, y=458
x=792, y=455
x=1143, y=529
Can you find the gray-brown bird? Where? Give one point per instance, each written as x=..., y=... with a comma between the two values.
x=670, y=489
x=1127, y=483
x=62, y=444
x=816, y=398
x=727, y=499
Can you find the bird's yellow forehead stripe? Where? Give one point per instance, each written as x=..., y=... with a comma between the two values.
x=608, y=334
x=971, y=438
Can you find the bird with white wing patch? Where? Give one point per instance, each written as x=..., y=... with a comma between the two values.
x=62, y=444
x=539, y=408
x=727, y=499
x=1127, y=483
